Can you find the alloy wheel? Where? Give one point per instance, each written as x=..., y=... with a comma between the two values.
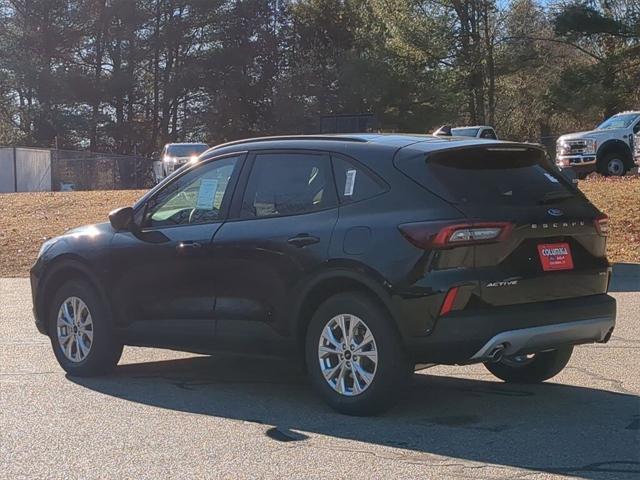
x=75, y=329
x=348, y=355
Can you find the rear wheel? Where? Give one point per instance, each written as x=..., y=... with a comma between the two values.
x=354, y=355
x=534, y=368
x=81, y=332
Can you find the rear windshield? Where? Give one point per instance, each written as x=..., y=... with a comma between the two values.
x=489, y=175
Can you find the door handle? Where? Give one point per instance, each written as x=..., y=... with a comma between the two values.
x=188, y=247
x=302, y=240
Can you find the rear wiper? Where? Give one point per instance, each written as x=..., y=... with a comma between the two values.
x=552, y=197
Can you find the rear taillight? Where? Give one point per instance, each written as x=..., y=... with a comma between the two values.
x=602, y=224
x=428, y=235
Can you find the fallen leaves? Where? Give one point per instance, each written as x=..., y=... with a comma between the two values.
x=619, y=198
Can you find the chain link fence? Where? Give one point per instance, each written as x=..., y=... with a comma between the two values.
x=38, y=169
x=75, y=170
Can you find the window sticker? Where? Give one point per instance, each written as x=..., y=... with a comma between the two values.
x=349, y=183
x=207, y=194
x=551, y=178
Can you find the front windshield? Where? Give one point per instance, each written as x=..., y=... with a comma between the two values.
x=185, y=150
x=624, y=120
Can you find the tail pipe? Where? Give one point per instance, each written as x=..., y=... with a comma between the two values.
x=496, y=354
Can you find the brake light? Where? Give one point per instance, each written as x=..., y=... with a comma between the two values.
x=602, y=224
x=447, y=304
x=428, y=235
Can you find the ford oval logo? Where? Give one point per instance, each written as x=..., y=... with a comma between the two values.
x=555, y=212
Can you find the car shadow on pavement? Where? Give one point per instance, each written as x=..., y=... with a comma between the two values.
x=625, y=278
x=551, y=428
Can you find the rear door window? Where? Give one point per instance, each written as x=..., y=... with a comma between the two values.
x=288, y=184
x=493, y=175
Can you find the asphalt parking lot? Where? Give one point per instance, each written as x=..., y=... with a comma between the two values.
x=166, y=414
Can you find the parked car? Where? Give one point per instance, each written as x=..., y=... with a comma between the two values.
x=174, y=155
x=608, y=149
x=478, y=131
x=359, y=256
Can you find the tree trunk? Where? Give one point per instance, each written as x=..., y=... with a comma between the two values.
x=97, y=74
x=490, y=62
x=156, y=79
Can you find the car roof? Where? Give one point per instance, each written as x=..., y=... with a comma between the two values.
x=378, y=138
x=351, y=142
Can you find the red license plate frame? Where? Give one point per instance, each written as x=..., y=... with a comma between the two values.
x=555, y=256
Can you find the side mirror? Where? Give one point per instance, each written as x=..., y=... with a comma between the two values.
x=569, y=174
x=122, y=219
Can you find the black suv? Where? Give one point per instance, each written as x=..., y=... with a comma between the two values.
x=361, y=255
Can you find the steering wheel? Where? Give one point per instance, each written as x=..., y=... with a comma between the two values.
x=195, y=212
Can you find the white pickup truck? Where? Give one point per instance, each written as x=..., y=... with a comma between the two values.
x=174, y=155
x=608, y=149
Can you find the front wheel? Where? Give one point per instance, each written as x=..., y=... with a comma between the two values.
x=533, y=368
x=614, y=165
x=354, y=355
x=81, y=331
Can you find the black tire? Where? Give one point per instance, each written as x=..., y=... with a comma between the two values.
x=393, y=368
x=105, y=351
x=542, y=367
x=620, y=163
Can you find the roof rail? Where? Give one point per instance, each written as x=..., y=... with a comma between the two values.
x=335, y=138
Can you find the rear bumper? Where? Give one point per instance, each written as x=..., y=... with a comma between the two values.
x=471, y=336
x=537, y=339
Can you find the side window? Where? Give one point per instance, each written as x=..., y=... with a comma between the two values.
x=194, y=198
x=288, y=184
x=353, y=182
x=636, y=129
x=488, y=133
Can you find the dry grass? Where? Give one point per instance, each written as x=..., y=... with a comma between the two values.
x=30, y=218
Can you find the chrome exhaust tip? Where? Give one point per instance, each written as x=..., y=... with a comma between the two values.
x=496, y=354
